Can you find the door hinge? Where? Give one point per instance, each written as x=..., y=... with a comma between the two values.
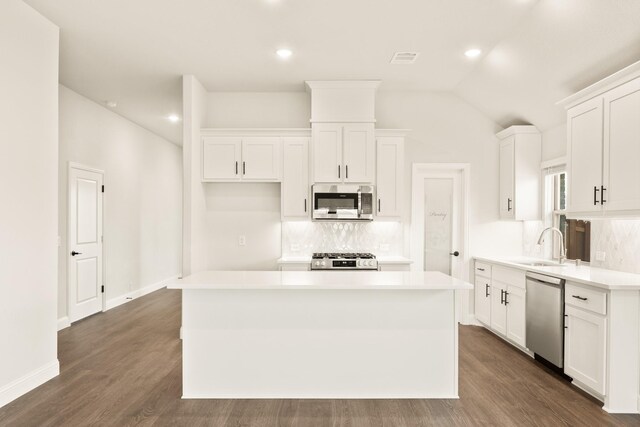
x=103, y=188
x=102, y=289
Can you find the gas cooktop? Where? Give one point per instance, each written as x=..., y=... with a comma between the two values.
x=344, y=261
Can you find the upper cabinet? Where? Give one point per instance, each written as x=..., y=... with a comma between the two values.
x=343, y=152
x=603, y=147
x=390, y=175
x=519, y=192
x=295, y=178
x=241, y=158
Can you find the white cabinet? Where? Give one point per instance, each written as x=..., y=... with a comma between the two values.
x=295, y=178
x=498, y=309
x=390, y=175
x=520, y=153
x=221, y=159
x=584, y=347
x=483, y=292
x=226, y=159
x=343, y=152
x=516, y=315
x=603, y=146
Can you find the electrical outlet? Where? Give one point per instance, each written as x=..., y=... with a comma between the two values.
x=295, y=247
x=601, y=256
x=242, y=240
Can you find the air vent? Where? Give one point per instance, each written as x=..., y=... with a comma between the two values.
x=404, y=57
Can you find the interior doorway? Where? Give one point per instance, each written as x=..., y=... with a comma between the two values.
x=85, y=241
x=439, y=222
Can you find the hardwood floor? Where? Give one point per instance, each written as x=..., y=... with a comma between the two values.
x=123, y=367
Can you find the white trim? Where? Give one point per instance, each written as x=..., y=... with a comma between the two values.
x=247, y=132
x=558, y=161
x=63, y=323
x=392, y=132
x=341, y=84
x=122, y=299
x=616, y=79
x=28, y=382
x=517, y=129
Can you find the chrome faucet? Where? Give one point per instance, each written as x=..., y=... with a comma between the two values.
x=563, y=251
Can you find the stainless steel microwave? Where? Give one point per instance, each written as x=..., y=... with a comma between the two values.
x=342, y=202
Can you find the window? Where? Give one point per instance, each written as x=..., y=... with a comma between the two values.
x=576, y=233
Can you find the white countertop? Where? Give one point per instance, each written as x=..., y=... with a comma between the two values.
x=348, y=280
x=392, y=259
x=593, y=276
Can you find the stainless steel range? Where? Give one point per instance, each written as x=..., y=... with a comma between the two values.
x=344, y=261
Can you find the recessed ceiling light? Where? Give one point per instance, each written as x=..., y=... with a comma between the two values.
x=173, y=118
x=284, y=53
x=472, y=53
x=111, y=104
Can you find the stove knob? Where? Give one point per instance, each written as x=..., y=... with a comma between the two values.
x=370, y=263
x=317, y=263
x=323, y=263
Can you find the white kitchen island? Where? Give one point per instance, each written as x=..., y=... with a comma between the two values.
x=312, y=334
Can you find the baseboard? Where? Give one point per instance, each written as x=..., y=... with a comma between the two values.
x=63, y=322
x=115, y=302
x=28, y=382
x=470, y=320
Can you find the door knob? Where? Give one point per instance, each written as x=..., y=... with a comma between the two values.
x=455, y=253
x=74, y=253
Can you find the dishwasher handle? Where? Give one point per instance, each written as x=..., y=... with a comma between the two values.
x=549, y=280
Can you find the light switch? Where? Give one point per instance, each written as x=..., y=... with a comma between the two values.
x=242, y=240
x=601, y=256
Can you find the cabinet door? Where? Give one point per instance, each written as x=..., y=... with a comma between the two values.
x=261, y=158
x=516, y=319
x=221, y=159
x=483, y=300
x=584, y=348
x=621, y=174
x=295, y=178
x=507, y=178
x=327, y=152
x=584, y=148
x=390, y=171
x=498, y=309
x=359, y=152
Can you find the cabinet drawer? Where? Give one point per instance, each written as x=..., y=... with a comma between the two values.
x=483, y=269
x=586, y=298
x=511, y=276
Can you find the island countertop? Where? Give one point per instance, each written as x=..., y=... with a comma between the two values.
x=348, y=280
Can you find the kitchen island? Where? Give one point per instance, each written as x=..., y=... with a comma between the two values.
x=312, y=334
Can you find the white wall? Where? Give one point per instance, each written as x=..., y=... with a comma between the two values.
x=554, y=142
x=29, y=188
x=258, y=110
x=446, y=129
x=143, y=196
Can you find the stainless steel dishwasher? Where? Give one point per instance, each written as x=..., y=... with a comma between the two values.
x=545, y=317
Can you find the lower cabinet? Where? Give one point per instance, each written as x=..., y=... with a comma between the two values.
x=516, y=315
x=498, y=309
x=483, y=299
x=584, y=347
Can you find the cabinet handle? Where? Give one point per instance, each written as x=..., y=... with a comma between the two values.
x=305, y=205
x=506, y=294
x=566, y=317
x=486, y=290
x=480, y=269
x=580, y=298
x=236, y=167
x=338, y=171
x=346, y=171
x=501, y=296
x=602, y=190
x=595, y=195
x=508, y=205
x=378, y=205
x=244, y=169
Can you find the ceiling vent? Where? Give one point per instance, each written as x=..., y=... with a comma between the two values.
x=404, y=58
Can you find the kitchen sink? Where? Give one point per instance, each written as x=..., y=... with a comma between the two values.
x=540, y=263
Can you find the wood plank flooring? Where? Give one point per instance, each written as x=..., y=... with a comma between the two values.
x=123, y=367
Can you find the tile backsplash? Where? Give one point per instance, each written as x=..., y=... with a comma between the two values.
x=618, y=239
x=305, y=237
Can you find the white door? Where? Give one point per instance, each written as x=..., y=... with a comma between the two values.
x=390, y=161
x=498, y=309
x=584, y=148
x=584, y=348
x=507, y=178
x=261, y=158
x=621, y=174
x=516, y=320
x=85, y=242
x=359, y=152
x=221, y=159
x=327, y=152
x=295, y=178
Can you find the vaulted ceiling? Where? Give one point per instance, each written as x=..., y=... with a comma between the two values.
x=535, y=52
